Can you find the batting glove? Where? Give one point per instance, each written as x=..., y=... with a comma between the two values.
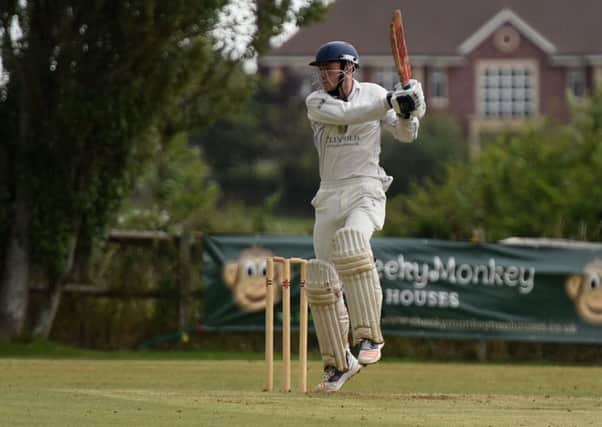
x=408, y=102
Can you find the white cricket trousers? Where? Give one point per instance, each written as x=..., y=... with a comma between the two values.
x=358, y=203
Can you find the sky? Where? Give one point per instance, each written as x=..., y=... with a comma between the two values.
x=235, y=13
x=242, y=10
x=15, y=34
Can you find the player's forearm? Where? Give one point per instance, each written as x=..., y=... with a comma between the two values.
x=404, y=130
x=336, y=112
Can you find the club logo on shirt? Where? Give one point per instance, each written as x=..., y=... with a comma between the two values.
x=340, y=140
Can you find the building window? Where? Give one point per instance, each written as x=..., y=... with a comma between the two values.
x=307, y=85
x=576, y=83
x=310, y=81
x=386, y=77
x=438, y=87
x=507, y=90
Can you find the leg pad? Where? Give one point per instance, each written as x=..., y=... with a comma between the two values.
x=331, y=321
x=354, y=263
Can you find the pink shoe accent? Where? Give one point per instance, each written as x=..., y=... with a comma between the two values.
x=370, y=352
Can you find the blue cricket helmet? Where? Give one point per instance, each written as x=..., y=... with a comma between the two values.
x=336, y=51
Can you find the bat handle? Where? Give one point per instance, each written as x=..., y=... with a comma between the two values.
x=406, y=85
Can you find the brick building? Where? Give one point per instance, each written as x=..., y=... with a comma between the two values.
x=492, y=64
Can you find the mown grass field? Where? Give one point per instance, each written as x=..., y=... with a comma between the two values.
x=181, y=389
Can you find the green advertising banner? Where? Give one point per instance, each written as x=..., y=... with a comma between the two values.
x=430, y=287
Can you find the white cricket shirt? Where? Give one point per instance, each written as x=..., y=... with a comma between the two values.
x=347, y=135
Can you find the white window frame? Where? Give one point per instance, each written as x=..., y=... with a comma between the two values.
x=575, y=78
x=386, y=77
x=509, y=91
x=309, y=79
x=438, y=77
x=308, y=83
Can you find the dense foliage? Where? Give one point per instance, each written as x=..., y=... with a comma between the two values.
x=265, y=150
x=89, y=93
x=440, y=141
x=544, y=182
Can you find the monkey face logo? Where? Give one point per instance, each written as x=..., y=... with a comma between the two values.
x=586, y=291
x=245, y=278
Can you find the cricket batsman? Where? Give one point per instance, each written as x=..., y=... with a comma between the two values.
x=347, y=117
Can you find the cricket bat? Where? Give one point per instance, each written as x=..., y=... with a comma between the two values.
x=400, y=50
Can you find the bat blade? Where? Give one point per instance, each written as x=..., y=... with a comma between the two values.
x=399, y=49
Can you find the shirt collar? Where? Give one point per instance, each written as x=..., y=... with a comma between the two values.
x=355, y=89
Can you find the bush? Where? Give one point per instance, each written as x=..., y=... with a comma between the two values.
x=440, y=141
x=543, y=182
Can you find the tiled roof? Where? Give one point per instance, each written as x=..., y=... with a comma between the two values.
x=440, y=27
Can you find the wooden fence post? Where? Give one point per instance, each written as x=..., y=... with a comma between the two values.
x=184, y=279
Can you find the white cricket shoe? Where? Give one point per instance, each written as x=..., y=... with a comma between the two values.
x=334, y=379
x=369, y=352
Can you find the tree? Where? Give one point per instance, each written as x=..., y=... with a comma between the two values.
x=175, y=193
x=90, y=88
x=440, y=141
x=265, y=149
x=541, y=183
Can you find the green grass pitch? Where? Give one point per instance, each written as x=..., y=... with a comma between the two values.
x=93, y=389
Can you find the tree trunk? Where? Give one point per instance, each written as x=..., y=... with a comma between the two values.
x=184, y=306
x=14, y=289
x=48, y=311
x=55, y=292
